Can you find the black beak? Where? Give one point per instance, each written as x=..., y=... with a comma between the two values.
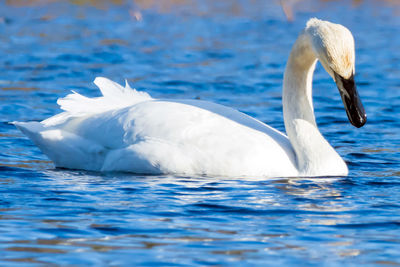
x=351, y=100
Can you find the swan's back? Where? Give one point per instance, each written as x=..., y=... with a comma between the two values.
x=126, y=130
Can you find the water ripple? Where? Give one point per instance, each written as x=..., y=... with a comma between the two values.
x=230, y=52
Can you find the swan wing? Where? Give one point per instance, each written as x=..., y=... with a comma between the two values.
x=198, y=137
x=114, y=96
x=159, y=136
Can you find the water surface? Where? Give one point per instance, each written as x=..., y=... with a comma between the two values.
x=229, y=52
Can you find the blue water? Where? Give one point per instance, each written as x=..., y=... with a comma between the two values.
x=229, y=52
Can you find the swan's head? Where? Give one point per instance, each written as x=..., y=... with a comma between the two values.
x=333, y=45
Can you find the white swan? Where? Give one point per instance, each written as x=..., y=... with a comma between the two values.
x=127, y=130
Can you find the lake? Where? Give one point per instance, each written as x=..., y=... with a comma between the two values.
x=229, y=52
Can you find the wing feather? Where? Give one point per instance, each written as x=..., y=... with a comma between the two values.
x=114, y=96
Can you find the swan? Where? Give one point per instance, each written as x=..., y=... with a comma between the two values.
x=129, y=131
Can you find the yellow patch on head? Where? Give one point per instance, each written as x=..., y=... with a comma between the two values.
x=347, y=61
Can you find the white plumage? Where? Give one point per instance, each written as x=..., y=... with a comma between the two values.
x=127, y=130
x=144, y=135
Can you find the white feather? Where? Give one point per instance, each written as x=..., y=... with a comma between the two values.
x=114, y=96
x=127, y=130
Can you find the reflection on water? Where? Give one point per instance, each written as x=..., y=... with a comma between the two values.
x=217, y=220
x=230, y=52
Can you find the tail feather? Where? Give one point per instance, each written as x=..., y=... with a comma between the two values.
x=64, y=148
x=29, y=128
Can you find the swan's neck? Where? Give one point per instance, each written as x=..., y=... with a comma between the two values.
x=314, y=155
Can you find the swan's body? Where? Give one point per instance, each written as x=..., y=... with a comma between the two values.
x=160, y=136
x=126, y=130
